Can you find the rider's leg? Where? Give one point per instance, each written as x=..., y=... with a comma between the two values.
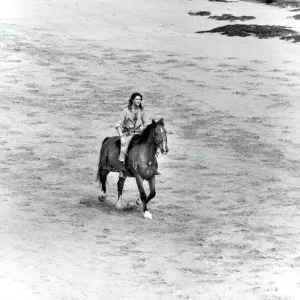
x=125, y=141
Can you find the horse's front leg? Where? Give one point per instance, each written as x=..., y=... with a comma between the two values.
x=120, y=191
x=139, y=181
x=152, y=194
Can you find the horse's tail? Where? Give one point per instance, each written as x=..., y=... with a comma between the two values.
x=98, y=178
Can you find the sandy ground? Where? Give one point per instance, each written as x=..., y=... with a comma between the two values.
x=226, y=215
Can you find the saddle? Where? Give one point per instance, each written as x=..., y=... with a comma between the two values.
x=110, y=142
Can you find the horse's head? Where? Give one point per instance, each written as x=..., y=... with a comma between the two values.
x=160, y=136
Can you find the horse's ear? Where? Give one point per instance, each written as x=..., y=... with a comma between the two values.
x=153, y=122
x=161, y=122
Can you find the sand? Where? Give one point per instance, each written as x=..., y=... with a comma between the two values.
x=226, y=214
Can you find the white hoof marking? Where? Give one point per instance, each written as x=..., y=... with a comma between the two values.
x=119, y=203
x=147, y=215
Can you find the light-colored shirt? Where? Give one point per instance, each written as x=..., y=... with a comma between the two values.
x=132, y=119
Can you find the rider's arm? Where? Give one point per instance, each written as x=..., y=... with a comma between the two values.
x=121, y=122
x=144, y=119
x=119, y=129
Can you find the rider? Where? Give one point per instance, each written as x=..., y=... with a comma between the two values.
x=131, y=122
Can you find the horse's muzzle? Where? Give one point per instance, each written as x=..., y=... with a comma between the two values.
x=164, y=148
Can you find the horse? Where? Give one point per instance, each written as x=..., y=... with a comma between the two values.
x=140, y=162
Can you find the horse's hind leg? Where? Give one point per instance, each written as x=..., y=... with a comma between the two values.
x=103, y=178
x=120, y=191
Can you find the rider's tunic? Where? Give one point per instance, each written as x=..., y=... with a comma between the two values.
x=131, y=122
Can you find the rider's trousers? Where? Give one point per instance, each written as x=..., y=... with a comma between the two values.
x=125, y=141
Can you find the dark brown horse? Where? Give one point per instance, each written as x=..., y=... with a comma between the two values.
x=140, y=162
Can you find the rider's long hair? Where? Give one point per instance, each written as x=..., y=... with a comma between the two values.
x=130, y=102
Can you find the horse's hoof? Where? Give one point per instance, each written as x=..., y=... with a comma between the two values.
x=147, y=215
x=102, y=197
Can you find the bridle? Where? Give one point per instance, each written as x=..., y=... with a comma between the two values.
x=157, y=141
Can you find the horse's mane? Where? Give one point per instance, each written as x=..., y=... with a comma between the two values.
x=139, y=139
x=145, y=133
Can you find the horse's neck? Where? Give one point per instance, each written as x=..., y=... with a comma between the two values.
x=147, y=149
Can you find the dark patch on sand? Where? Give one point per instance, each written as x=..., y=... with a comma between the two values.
x=296, y=17
x=294, y=38
x=200, y=13
x=259, y=31
x=231, y=18
x=286, y=3
x=278, y=3
x=221, y=1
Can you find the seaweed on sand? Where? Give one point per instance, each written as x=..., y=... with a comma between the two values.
x=200, y=13
x=231, y=18
x=221, y=1
x=278, y=3
x=286, y=3
x=259, y=31
x=295, y=38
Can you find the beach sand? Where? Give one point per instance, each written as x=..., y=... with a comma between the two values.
x=226, y=215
